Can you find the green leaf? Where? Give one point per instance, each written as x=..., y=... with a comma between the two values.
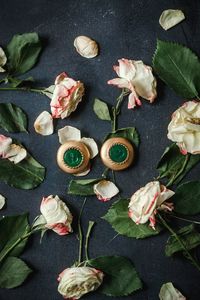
x=13, y=272
x=189, y=236
x=16, y=82
x=129, y=133
x=186, y=198
x=121, y=278
x=82, y=187
x=22, y=52
x=27, y=174
x=178, y=67
x=13, y=118
x=13, y=228
x=175, y=165
x=118, y=218
x=101, y=110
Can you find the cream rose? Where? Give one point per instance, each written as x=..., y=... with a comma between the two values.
x=135, y=76
x=147, y=200
x=66, y=96
x=56, y=214
x=78, y=281
x=184, y=128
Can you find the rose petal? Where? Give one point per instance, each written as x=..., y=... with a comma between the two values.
x=105, y=190
x=168, y=292
x=119, y=82
x=44, y=123
x=16, y=153
x=84, y=173
x=92, y=146
x=171, y=17
x=133, y=100
x=69, y=133
x=2, y=201
x=5, y=143
x=3, y=60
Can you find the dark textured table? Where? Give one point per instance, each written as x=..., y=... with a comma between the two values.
x=123, y=29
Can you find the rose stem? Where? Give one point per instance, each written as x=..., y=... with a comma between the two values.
x=116, y=109
x=105, y=173
x=90, y=226
x=80, y=233
x=22, y=89
x=180, y=172
x=180, y=241
x=183, y=219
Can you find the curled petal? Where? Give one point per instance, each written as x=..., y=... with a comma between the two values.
x=69, y=133
x=44, y=123
x=2, y=201
x=171, y=17
x=126, y=69
x=5, y=143
x=92, y=146
x=119, y=82
x=3, y=60
x=16, y=153
x=84, y=173
x=133, y=100
x=169, y=292
x=105, y=190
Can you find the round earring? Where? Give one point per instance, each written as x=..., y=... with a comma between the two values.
x=117, y=153
x=73, y=157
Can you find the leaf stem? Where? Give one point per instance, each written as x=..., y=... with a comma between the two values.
x=183, y=219
x=180, y=241
x=80, y=233
x=90, y=226
x=173, y=179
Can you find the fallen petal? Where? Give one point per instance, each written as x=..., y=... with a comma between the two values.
x=69, y=133
x=44, y=123
x=105, y=190
x=16, y=153
x=84, y=173
x=5, y=143
x=2, y=201
x=168, y=292
x=92, y=146
x=171, y=17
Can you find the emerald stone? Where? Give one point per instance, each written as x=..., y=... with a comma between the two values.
x=73, y=158
x=118, y=153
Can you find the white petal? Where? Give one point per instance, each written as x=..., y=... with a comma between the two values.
x=5, y=143
x=171, y=17
x=105, y=190
x=44, y=123
x=92, y=146
x=3, y=59
x=168, y=292
x=16, y=153
x=39, y=221
x=69, y=133
x=84, y=173
x=2, y=201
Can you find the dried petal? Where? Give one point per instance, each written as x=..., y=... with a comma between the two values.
x=2, y=201
x=86, y=47
x=3, y=60
x=105, y=190
x=84, y=173
x=92, y=146
x=16, y=153
x=5, y=143
x=168, y=292
x=69, y=133
x=44, y=123
x=171, y=17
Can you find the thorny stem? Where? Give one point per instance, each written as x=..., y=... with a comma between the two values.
x=80, y=233
x=180, y=172
x=90, y=226
x=180, y=241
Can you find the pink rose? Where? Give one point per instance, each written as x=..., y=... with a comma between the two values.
x=66, y=96
x=56, y=214
x=147, y=200
x=135, y=76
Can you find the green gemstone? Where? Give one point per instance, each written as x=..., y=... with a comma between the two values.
x=73, y=158
x=118, y=153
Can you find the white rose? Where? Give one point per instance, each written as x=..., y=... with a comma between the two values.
x=78, y=281
x=3, y=60
x=184, y=128
x=66, y=96
x=147, y=200
x=56, y=214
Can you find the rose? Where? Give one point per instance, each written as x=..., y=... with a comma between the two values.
x=136, y=77
x=8, y=150
x=56, y=214
x=147, y=200
x=184, y=128
x=77, y=281
x=3, y=60
x=66, y=96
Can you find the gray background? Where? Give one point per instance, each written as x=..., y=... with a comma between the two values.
x=123, y=29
